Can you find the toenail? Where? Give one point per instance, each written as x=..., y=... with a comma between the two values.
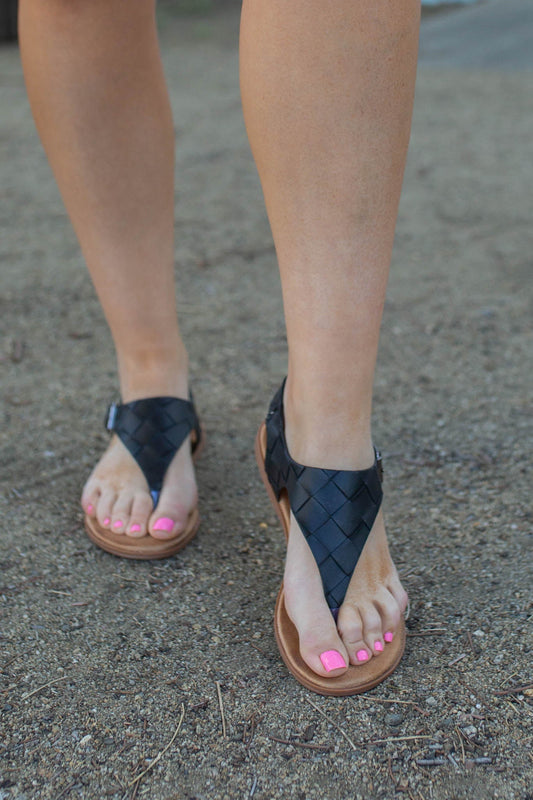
x=331, y=659
x=90, y=509
x=135, y=528
x=388, y=636
x=362, y=655
x=117, y=524
x=106, y=521
x=378, y=646
x=164, y=524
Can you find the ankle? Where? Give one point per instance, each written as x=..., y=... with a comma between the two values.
x=154, y=373
x=324, y=431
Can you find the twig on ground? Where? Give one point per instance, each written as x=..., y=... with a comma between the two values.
x=252, y=790
x=325, y=747
x=385, y=700
x=160, y=755
x=44, y=686
x=14, y=658
x=461, y=743
x=455, y=660
x=514, y=689
x=201, y=704
x=396, y=739
x=65, y=790
x=430, y=762
x=512, y=706
x=352, y=745
x=452, y=760
x=221, y=706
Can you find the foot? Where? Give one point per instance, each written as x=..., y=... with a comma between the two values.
x=375, y=601
x=116, y=494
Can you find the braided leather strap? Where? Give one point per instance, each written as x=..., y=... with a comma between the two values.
x=335, y=509
x=153, y=430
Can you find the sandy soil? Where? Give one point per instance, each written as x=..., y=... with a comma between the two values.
x=104, y=662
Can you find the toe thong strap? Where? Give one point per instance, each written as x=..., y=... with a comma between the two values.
x=153, y=430
x=335, y=509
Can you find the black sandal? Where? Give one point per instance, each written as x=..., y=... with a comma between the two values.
x=335, y=510
x=153, y=430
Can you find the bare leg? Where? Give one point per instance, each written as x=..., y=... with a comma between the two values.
x=327, y=92
x=99, y=99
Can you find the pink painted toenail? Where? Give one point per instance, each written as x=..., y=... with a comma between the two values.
x=90, y=509
x=117, y=524
x=135, y=528
x=378, y=646
x=331, y=659
x=388, y=636
x=362, y=655
x=164, y=524
x=106, y=521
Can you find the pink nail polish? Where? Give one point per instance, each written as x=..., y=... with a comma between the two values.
x=388, y=636
x=331, y=659
x=106, y=521
x=164, y=524
x=135, y=528
x=362, y=655
x=378, y=647
x=90, y=509
x=117, y=524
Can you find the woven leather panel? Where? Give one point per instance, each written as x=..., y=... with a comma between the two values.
x=153, y=430
x=335, y=509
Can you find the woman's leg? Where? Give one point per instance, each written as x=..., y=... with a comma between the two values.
x=327, y=93
x=99, y=99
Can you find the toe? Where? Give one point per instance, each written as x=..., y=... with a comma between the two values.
x=120, y=514
x=372, y=628
x=168, y=520
x=140, y=512
x=177, y=500
x=91, y=497
x=399, y=594
x=321, y=648
x=89, y=500
x=104, y=508
x=351, y=628
x=390, y=612
x=320, y=645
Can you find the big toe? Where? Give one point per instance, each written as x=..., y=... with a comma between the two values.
x=177, y=502
x=320, y=645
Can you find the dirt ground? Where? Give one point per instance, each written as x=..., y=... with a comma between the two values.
x=110, y=668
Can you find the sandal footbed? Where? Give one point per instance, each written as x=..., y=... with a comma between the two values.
x=145, y=547
x=356, y=679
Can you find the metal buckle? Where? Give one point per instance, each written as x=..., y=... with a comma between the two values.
x=111, y=416
x=379, y=464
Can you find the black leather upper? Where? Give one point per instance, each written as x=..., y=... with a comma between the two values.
x=153, y=430
x=335, y=509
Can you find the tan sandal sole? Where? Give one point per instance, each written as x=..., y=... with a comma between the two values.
x=356, y=679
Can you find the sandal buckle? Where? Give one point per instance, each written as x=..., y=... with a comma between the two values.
x=111, y=417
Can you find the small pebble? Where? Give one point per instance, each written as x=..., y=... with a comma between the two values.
x=430, y=701
x=393, y=719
